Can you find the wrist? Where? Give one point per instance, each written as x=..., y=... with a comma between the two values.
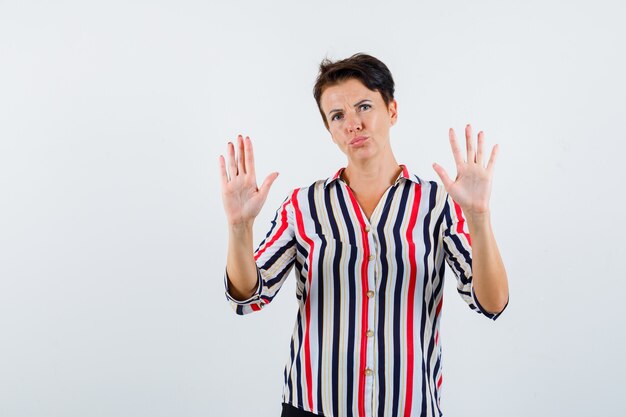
x=478, y=218
x=242, y=227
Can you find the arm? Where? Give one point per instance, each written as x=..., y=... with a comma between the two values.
x=240, y=266
x=243, y=201
x=471, y=190
x=490, y=282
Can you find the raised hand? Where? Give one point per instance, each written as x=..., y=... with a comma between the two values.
x=472, y=187
x=242, y=198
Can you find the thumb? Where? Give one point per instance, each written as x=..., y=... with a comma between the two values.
x=447, y=182
x=267, y=183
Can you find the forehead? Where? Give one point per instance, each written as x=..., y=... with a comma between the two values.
x=348, y=92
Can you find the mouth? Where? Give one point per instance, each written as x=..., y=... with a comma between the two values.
x=358, y=140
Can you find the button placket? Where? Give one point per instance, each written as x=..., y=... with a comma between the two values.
x=372, y=269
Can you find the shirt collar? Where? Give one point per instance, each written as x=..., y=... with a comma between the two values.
x=404, y=175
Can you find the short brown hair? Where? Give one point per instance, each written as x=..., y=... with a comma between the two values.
x=370, y=71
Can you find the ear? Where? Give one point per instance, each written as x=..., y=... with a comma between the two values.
x=393, y=111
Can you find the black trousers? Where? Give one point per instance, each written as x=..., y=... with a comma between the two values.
x=291, y=411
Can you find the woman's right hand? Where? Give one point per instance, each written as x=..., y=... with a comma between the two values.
x=241, y=197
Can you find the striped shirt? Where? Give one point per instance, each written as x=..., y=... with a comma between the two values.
x=370, y=291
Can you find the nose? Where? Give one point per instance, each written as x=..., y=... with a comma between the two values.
x=353, y=122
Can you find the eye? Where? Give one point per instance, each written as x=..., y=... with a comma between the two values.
x=365, y=107
x=335, y=117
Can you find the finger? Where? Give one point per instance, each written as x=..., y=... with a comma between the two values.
x=479, y=148
x=267, y=183
x=249, y=157
x=492, y=159
x=241, y=155
x=223, y=173
x=232, y=165
x=456, y=151
x=447, y=182
x=469, y=144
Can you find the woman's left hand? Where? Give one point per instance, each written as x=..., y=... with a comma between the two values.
x=472, y=187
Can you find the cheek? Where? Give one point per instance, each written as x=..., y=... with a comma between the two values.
x=335, y=136
x=367, y=120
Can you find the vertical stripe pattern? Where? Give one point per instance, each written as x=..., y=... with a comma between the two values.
x=370, y=292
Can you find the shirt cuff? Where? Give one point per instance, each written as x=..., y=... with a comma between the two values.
x=492, y=316
x=255, y=297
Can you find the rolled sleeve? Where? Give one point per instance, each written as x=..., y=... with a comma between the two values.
x=481, y=309
x=255, y=297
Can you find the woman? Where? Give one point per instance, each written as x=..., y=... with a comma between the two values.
x=369, y=245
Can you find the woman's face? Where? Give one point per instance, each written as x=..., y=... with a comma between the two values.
x=358, y=119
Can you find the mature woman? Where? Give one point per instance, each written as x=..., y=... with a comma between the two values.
x=369, y=245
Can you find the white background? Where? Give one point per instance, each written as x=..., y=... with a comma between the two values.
x=112, y=233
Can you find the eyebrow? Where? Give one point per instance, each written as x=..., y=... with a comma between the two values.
x=356, y=105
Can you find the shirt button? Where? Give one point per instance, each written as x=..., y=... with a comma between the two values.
x=369, y=372
x=367, y=229
x=370, y=294
x=370, y=333
x=371, y=258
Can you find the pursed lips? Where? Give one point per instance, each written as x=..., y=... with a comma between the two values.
x=358, y=140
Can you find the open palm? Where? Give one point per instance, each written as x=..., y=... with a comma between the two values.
x=242, y=198
x=472, y=187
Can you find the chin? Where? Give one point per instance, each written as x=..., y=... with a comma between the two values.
x=362, y=155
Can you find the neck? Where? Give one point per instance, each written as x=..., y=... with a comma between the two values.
x=371, y=176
